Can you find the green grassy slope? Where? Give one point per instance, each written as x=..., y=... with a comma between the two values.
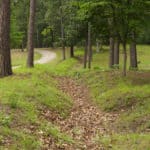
x=128, y=96
x=23, y=95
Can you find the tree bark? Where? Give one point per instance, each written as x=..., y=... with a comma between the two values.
x=97, y=46
x=133, y=53
x=52, y=37
x=72, y=51
x=89, y=46
x=37, y=37
x=30, y=43
x=62, y=33
x=85, y=53
x=111, y=57
x=116, y=53
x=5, y=58
x=22, y=46
x=124, y=60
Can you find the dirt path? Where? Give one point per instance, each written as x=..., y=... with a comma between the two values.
x=46, y=56
x=86, y=121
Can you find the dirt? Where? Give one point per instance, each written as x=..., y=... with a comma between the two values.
x=85, y=122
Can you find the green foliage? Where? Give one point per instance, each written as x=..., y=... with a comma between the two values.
x=16, y=35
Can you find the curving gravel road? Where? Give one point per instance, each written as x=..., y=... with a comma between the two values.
x=46, y=56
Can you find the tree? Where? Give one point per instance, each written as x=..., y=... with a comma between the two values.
x=5, y=59
x=30, y=43
x=89, y=46
x=133, y=53
x=116, y=52
x=111, y=52
x=62, y=30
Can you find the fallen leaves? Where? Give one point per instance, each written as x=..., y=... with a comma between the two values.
x=85, y=120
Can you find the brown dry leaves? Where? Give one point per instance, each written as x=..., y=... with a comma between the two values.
x=85, y=121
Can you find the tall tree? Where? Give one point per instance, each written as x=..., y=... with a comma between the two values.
x=89, y=46
x=111, y=55
x=5, y=59
x=116, y=53
x=62, y=31
x=133, y=53
x=30, y=43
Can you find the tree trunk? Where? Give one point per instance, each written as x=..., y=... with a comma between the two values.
x=116, y=53
x=52, y=38
x=111, y=59
x=89, y=46
x=37, y=37
x=30, y=43
x=5, y=59
x=101, y=45
x=97, y=46
x=85, y=53
x=133, y=53
x=124, y=60
x=62, y=33
x=72, y=51
x=22, y=46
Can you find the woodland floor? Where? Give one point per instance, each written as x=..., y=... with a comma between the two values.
x=85, y=121
x=71, y=108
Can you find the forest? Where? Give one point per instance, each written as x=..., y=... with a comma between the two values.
x=74, y=74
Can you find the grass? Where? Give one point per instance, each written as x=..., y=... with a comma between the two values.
x=17, y=139
x=100, y=60
x=21, y=98
x=24, y=94
x=125, y=141
x=128, y=96
x=19, y=58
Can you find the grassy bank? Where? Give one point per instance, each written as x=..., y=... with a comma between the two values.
x=23, y=97
x=26, y=94
x=129, y=97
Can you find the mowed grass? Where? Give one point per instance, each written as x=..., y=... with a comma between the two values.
x=20, y=58
x=100, y=60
